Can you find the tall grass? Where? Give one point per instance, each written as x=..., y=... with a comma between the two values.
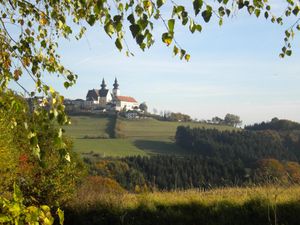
x=233, y=206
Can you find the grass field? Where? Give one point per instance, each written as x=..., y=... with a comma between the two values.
x=92, y=134
x=163, y=130
x=107, y=147
x=227, y=206
x=91, y=126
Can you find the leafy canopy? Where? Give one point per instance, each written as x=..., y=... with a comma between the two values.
x=30, y=30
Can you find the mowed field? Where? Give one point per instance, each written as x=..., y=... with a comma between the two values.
x=92, y=135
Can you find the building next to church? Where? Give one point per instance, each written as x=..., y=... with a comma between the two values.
x=104, y=99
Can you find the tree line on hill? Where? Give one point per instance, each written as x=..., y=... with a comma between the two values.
x=247, y=146
x=275, y=124
x=229, y=120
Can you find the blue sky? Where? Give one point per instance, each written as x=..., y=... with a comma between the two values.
x=233, y=69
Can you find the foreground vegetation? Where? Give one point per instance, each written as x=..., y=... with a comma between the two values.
x=232, y=206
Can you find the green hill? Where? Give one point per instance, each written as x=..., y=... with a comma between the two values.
x=94, y=135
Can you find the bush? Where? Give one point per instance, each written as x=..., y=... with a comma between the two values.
x=52, y=179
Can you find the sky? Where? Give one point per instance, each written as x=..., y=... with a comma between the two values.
x=233, y=69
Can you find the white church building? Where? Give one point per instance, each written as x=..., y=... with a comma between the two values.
x=103, y=99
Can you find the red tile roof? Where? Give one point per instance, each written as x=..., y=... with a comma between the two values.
x=126, y=99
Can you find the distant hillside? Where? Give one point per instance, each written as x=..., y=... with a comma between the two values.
x=95, y=134
x=275, y=124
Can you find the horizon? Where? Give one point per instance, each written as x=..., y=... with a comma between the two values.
x=233, y=69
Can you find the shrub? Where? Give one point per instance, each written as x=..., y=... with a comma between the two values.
x=13, y=211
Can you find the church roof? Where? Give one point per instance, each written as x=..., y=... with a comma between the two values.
x=126, y=99
x=92, y=95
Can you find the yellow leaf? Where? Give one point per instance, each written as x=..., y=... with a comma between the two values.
x=187, y=57
x=43, y=21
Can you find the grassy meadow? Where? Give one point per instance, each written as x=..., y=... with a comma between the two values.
x=155, y=129
x=93, y=134
x=227, y=206
x=89, y=126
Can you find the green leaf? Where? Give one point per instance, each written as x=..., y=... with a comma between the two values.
x=198, y=27
x=296, y=10
x=131, y=19
x=221, y=11
x=279, y=20
x=135, y=29
x=175, y=50
x=61, y=216
x=227, y=12
x=66, y=84
x=118, y=43
x=182, y=53
x=220, y=22
x=241, y=4
x=250, y=9
x=266, y=15
x=117, y=18
x=257, y=12
x=91, y=20
x=192, y=26
x=288, y=52
x=159, y=3
x=167, y=38
x=283, y=49
x=120, y=7
x=206, y=15
x=287, y=33
x=171, y=23
x=109, y=29
x=139, y=39
x=197, y=4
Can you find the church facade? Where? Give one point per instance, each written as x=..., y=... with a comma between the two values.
x=104, y=99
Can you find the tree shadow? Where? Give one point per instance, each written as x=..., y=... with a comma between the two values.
x=158, y=147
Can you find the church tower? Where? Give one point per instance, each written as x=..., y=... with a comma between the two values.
x=103, y=85
x=103, y=95
x=116, y=90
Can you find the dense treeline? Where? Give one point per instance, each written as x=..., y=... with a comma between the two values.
x=275, y=124
x=173, y=172
x=248, y=146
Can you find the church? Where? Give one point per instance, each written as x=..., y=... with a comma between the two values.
x=106, y=100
